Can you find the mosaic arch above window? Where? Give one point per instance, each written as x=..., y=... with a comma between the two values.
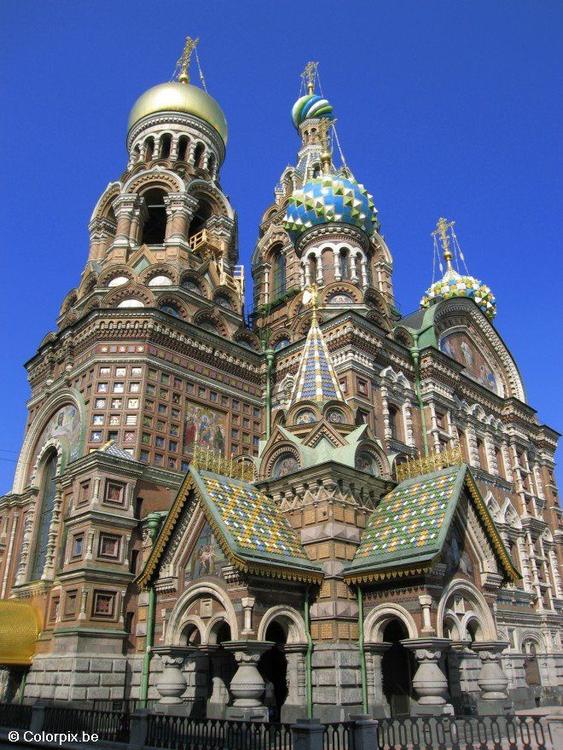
x=463, y=349
x=65, y=425
x=284, y=465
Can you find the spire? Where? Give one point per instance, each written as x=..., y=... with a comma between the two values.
x=183, y=64
x=316, y=379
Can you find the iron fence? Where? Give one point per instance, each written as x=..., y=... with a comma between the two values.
x=15, y=715
x=464, y=733
x=112, y=726
x=339, y=736
x=185, y=733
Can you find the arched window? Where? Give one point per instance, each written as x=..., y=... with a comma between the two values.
x=171, y=310
x=313, y=268
x=279, y=273
x=211, y=165
x=202, y=214
x=344, y=263
x=149, y=148
x=154, y=228
x=48, y=490
x=182, y=147
x=165, y=144
x=198, y=155
x=394, y=422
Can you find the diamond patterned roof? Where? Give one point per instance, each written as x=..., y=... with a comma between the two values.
x=409, y=526
x=316, y=379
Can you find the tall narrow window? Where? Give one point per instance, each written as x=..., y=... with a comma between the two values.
x=279, y=267
x=198, y=155
x=44, y=521
x=394, y=422
x=165, y=144
x=182, y=147
x=344, y=263
x=149, y=148
x=154, y=228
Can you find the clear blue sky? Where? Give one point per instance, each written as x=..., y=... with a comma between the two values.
x=444, y=108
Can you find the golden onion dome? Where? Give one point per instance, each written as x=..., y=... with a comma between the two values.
x=178, y=96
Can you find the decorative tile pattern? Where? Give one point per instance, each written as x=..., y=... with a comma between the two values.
x=410, y=517
x=252, y=518
x=331, y=198
x=309, y=106
x=454, y=285
x=316, y=379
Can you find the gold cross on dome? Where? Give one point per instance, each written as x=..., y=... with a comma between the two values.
x=441, y=231
x=309, y=74
x=183, y=63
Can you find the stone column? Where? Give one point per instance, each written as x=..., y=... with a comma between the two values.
x=377, y=701
x=247, y=605
x=353, y=267
x=25, y=547
x=123, y=207
x=295, y=703
x=337, y=274
x=172, y=683
x=180, y=208
x=247, y=686
x=425, y=601
x=363, y=265
x=492, y=680
x=430, y=683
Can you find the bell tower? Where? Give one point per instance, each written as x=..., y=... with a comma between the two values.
x=164, y=234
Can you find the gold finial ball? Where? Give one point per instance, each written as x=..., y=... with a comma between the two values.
x=176, y=96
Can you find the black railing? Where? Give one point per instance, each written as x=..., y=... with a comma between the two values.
x=464, y=733
x=185, y=733
x=339, y=736
x=15, y=715
x=112, y=726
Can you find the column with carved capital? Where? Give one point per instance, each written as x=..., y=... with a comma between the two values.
x=180, y=209
x=247, y=686
x=123, y=207
x=429, y=682
x=492, y=680
x=26, y=541
x=294, y=705
x=172, y=682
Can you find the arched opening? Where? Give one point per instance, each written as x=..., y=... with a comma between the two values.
x=273, y=668
x=313, y=268
x=199, y=151
x=344, y=262
x=165, y=145
x=136, y=154
x=154, y=228
x=221, y=670
x=531, y=666
x=149, y=148
x=278, y=273
x=394, y=423
x=183, y=141
x=190, y=635
x=211, y=162
x=397, y=668
x=48, y=492
x=203, y=212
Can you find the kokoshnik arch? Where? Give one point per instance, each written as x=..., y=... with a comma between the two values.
x=232, y=515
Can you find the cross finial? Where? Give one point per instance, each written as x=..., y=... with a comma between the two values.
x=441, y=231
x=309, y=75
x=183, y=64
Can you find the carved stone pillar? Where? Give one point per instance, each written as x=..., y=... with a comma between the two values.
x=378, y=705
x=247, y=605
x=294, y=705
x=353, y=267
x=425, y=601
x=172, y=683
x=22, y=567
x=364, y=268
x=180, y=208
x=123, y=207
x=337, y=274
x=492, y=680
x=247, y=686
x=429, y=683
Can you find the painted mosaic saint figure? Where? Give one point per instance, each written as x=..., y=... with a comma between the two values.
x=207, y=558
x=204, y=428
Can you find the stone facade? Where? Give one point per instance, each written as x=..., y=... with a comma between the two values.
x=138, y=588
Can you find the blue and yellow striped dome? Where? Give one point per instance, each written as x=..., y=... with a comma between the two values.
x=308, y=106
x=330, y=198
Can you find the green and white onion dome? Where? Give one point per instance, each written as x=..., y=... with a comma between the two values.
x=455, y=285
x=330, y=198
x=310, y=106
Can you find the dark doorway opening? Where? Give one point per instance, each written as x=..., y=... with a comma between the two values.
x=154, y=229
x=273, y=668
x=398, y=669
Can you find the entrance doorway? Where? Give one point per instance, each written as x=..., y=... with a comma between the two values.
x=397, y=669
x=273, y=668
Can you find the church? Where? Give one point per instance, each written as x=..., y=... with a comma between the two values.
x=320, y=508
